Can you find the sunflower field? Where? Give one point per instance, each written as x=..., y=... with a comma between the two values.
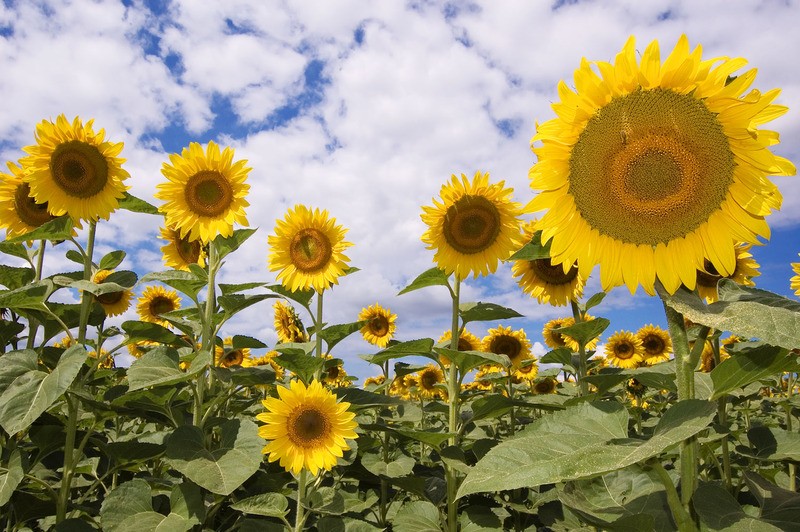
x=654, y=171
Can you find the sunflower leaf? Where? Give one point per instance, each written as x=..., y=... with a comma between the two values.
x=129, y=202
x=11, y=477
x=111, y=260
x=485, y=312
x=561, y=355
x=585, y=331
x=56, y=229
x=140, y=330
x=467, y=360
x=718, y=510
x=594, y=300
x=15, y=250
x=533, y=250
x=336, y=333
x=266, y=504
x=744, y=311
x=490, y=406
x=400, y=467
x=417, y=516
x=749, y=366
x=161, y=366
x=229, y=244
x=234, y=288
x=772, y=443
x=14, y=277
x=304, y=365
x=240, y=342
x=182, y=281
x=303, y=297
x=31, y=296
x=432, y=277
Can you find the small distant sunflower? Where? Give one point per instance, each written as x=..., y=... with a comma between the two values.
x=113, y=303
x=307, y=427
x=106, y=360
x=545, y=281
x=180, y=252
x=656, y=343
x=226, y=356
x=707, y=362
x=307, y=250
x=505, y=341
x=624, y=350
x=205, y=192
x=473, y=227
x=288, y=326
x=794, y=282
x=19, y=212
x=380, y=326
x=371, y=382
x=140, y=347
x=75, y=170
x=651, y=167
x=334, y=374
x=427, y=379
x=466, y=342
x=745, y=269
x=527, y=371
x=266, y=360
x=155, y=301
x=555, y=339
x=401, y=386
x=544, y=386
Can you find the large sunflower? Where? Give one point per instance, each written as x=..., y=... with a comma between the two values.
x=155, y=301
x=113, y=303
x=75, y=170
x=307, y=250
x=19, y=212
x=656, y=344
x=474, y=226
x=651, y=168
x=624, y=350
x=288, y=325
x=307, y=427
x=545, y=281
x=205, y=193
x=794, y=282
x=380, y=326
x=505, y=341
x=745, y=269
x=180, y=252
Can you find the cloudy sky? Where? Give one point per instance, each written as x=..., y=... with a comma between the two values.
x=364, y=109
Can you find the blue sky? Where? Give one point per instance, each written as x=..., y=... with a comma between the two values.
x=364, y=109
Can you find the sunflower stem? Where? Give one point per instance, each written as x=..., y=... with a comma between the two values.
x=208, y=335
x=789, y=426
x=682, y=518
x=318, y=326
x=300, y=517
x=86, y=297
x=684, y=374
x=583, y=386
x=722, y=415
x=69, y=451
x=33, y=324
x=453, y=415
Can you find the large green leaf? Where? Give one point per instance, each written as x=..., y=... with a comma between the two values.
x=417, y=516
x=779, y=507
x=33, y=391
x=56, y=229
x=129, y=202
x=485, y=312
x=660, y=376
x=585, y=331
x=182, y=281
x=744, y=311
x=266, y=504
x=533, y=250
x=220, y=468
x=400, y=467
x=129, y=508
x=432, y=277
x=13, y=277
x=227, y=245
x=719, y=511
x=142, y=330
x=11, y=477
x=771, y=443
x=421, y=347
x=31, y=296
x=749, y=366
x=161, y=366
x=336, y=333
x=467, y=360
x=580, y=442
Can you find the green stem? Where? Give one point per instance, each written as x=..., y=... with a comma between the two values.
x=300, y=516
x=318, y=325
x=453, y=414
x=69, y=451
x=584, y=387
x=33, y=325
x=682, y=517
x=86, y=297
x=209, y=334
x=722, y=414
x=788, y=408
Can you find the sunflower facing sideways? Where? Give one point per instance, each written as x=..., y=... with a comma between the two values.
x=380, y=326
x=19, y=212
x=794, y=282
x=656, y=344
x=624, y=350
x=745, y=269
x=466, y=342
x=205, y=192
x=113, y=303
x=307, y=250
x=180, y=252
x=75, y=170
x=650, y=168
x=287, y=323
x=473, y=227
x=306, y=427
x=505, y=341
x=155, y=301
x=545, y=281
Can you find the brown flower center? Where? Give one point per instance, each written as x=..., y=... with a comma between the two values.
x=188, y=250
x=79, y=169
x=208, y=193
x=160, y=305
x=428, y=380
x=379, y=326
x=654, y=345
x=506, y=345
x=233, y=357
x=471, y=225
x=310, y=250
x=31, y=213
x=624, y=350
x=109, y=298
x=306, y=427
x=553, y=274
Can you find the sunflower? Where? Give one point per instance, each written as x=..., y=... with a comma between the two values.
x=624, y=350
x=555, y=339
x=527, y=371
x=427, y=380
x=307, y=250
x=226, y=356
x=745, y=269
x=466, y=342
x=334, y=374
x=656, y=343
x=473, y=227
x=544, y=386
x=74, y=170
x=106, y=360
x=140, y=347
x=794, y=282
x=545, y=281
x=402, y=386
x=307, y=427
x=113, y=303
x=266, y=360
x=288, y=325
x=180, y=252
x=503, y=341
x=155, y=301
x=380, y=326
x=373, y=382
x=19, y=212
x=651, y=168
x=205, y=193
x=707, y=362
